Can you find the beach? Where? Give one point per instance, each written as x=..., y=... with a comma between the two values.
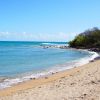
x=79, y=83
x=49, y=50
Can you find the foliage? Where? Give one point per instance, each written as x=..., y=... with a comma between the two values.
x=87, y=39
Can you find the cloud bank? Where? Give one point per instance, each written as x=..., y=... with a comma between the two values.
x=11, y=36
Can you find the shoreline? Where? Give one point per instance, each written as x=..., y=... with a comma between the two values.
x=77, y=63
x=31, y=84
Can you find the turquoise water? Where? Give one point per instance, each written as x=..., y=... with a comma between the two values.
x=17, y=58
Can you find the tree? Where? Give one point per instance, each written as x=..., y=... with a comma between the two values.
x=87, y=39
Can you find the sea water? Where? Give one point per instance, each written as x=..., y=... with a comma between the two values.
x=21, y=61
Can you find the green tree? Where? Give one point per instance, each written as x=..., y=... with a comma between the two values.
x=87, y=39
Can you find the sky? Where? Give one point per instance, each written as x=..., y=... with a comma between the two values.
x=47, y=20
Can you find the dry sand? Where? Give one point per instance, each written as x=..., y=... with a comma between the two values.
x=81, y=83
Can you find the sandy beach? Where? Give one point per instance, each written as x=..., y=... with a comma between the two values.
x=80, y=83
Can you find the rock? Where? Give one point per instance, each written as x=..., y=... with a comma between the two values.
x=97, y=58
x=95, y=49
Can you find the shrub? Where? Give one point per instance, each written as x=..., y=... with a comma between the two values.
x=87, y=39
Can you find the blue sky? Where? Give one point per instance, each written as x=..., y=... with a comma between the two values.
x=47, y=20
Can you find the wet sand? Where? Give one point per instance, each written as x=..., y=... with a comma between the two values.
x=80, y=83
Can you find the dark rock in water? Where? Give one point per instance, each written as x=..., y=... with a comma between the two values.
x=95, y=49
x=53, y=73
x=97, y=58
x=91, y=60
x=2, y=79
x=64, y=47
x=32, y=78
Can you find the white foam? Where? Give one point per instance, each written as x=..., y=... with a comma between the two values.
x=47, y=43
x=54, y=44
x=87, y=59
x=58, y=68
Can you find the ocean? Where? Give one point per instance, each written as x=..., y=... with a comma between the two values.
x=21, y=61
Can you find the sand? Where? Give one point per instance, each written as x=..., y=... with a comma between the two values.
x=80, y=83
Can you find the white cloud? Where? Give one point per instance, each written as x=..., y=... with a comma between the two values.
x=36, y=36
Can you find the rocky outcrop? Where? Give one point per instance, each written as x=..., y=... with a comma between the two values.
x=95, y=49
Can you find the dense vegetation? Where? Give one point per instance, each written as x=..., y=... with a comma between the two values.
x=88, y=39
